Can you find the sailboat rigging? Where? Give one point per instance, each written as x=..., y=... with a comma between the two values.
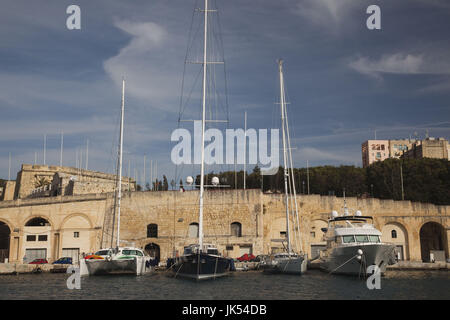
x=117, y=259
x=202, y=261
x=289, y=261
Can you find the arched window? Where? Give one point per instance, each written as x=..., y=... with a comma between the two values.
x=393, y=234
x=152, y=230
x=236, y=229
x=193, y=230
x=37, y=222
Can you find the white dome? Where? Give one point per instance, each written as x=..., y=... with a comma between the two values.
x=215, y=181
x=334, y=214
x=358, y=213
x=189, y=180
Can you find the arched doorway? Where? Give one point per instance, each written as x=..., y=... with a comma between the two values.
x=395, y=233
x=236, y=229
x=432, y=237
x=153, y=251
x=37, y=242
x=5, y=234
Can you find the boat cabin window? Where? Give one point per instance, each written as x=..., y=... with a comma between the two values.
x=213, y=251
x=375, y=239
x=103, y=253
x=362, y=238
x=132, y=253
x=348, y=239
x=188, y=250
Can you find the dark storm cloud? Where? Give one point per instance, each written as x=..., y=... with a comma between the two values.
x=343, y=80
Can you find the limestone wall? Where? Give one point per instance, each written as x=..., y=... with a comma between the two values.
x=261, y=216
x=30, y=176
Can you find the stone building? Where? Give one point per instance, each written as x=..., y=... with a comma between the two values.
x=429, y=148
x=238, y=221
x=34, y=181
x=380, y=150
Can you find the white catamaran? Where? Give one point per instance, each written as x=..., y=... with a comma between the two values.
x=119, y=259
x=289, y=261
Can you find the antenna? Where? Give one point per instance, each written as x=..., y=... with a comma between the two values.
x=87, y=153
x=143, y=184
x=307, y=174
x=61, y=153
x=45, y=145
x=9, y=168
x=245, y=145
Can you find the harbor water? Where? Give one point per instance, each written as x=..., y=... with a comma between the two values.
x=251, y=285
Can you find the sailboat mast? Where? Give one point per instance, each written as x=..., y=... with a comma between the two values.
x=286, y=172
x=119, y=187
x=292, y=180
x=202, y=173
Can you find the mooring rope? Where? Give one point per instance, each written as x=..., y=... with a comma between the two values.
x=344, y=263
x=178, y=269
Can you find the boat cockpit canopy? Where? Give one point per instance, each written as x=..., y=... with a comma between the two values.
x=361, y=238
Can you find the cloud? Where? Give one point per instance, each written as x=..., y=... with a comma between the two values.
x=327, y=13
x=396, y=63
x=146, y=64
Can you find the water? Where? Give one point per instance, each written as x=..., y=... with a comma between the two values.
x=251, y=285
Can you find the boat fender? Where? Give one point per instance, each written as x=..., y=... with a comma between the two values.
x=359, y=253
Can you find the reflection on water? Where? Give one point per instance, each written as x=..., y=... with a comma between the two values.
x=240, y=285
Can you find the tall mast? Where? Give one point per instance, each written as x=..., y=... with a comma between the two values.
x=202, y=173
x=286, y=172
x=291, y=165
x=119, y=187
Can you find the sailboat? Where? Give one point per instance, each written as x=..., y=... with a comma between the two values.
x=117, y=259
x=201, y=260
x=289, y=261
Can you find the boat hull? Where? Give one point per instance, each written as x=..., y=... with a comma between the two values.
x=201, y=266
x=343, y=260
x=136, y=266
x=285, y=265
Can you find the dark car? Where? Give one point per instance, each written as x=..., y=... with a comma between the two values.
x=39, y=261
x=63, y=260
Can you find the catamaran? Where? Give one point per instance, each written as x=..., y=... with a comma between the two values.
x=353, y=244
x=201, y=260
x=117, y=259
x=289, y=261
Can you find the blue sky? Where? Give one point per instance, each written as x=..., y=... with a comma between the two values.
x=343, y=80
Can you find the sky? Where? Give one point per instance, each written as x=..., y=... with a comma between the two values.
x=343, y=81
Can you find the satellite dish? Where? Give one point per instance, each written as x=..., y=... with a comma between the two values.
x=334, y=214
x=215, y=181
x=189, y=180
x=358, y=213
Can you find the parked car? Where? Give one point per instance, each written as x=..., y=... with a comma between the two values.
x=39, y=261
x=246, y=257
x=63, y=260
